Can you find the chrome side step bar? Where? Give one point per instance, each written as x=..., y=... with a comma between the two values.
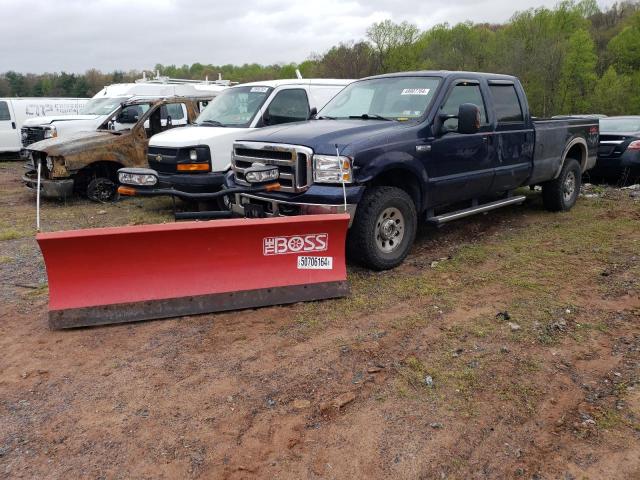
x=448, y=217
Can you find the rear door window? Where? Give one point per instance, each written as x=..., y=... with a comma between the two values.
x=506, y=103
x=291, y=105
x=464, y=93
x=173, y=110
x=4, y=112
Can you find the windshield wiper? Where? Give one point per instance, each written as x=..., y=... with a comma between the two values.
x=325, y=117
x=373, y=116
x=213, y=123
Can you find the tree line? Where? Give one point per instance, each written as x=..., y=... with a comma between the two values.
x=574, y=58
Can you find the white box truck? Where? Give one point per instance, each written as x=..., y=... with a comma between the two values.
x=109, y=99
x=14, y=112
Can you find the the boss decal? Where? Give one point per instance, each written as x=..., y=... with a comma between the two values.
x=313, y=242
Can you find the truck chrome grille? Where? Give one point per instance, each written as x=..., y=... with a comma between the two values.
x=163, y=160
x=612, y=145
x=31, y=135
x=293, y=161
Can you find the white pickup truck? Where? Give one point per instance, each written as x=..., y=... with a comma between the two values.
x=196, y=158
x=108, y=100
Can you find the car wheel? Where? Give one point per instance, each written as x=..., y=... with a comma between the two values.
x=383, y=229
x=561, y=193
x=102, y=190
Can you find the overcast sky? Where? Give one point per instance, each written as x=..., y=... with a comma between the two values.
x=75, y=35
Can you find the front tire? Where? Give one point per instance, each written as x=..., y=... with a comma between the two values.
x=560, y=194
x=383, y=229
x=102, y=190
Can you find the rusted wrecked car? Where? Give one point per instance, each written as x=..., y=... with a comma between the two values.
x=86, y=163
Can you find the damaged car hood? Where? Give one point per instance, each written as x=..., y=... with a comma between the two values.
x=73, y=143
x=37, y=121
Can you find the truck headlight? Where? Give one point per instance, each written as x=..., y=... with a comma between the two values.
x=49, y=163
x=332, y=169
x=193, y=155
x=259, y=173
x=51, y=132
x=137, y=176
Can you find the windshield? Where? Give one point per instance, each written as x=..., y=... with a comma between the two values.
x=396, y=98
x=102, y=106
x=234, y=107
x=620, y=125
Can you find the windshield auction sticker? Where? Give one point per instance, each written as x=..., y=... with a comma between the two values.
x=258, y=89
x=416, y=91
x=315, y=263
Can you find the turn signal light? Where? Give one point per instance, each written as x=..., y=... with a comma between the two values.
x=273, y=186
x=127, y=191
x=193, y=167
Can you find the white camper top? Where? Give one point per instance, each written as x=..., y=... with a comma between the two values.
x=160, y=90
x=297, y=81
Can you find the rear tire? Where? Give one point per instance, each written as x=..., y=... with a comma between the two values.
x=383, y=229
x=560, y=194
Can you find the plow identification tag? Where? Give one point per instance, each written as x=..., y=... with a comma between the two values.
x=315, y=263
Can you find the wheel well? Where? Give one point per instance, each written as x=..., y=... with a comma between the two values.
x=578, y=152
x=402, y=179
x=105, y=168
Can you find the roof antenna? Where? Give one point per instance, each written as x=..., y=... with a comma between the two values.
x=298, y=74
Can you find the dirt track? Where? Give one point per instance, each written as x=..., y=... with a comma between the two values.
x=413, y=376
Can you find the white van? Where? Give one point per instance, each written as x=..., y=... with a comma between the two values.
x=109, y=99
x=195, y=158
x=15, y=111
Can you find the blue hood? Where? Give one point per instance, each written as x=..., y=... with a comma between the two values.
x=323, y=135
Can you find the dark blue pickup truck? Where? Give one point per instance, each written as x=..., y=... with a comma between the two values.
x=395, y=149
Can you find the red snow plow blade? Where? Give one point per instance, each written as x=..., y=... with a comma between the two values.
x=126, y=274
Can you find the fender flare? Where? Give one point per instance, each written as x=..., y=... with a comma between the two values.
x=583, y=160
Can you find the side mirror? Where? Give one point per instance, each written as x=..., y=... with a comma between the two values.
x=468, y=118
x=312, y=113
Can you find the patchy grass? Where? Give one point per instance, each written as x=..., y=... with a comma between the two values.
x=14, y=234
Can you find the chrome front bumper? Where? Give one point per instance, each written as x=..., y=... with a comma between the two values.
x=279, y=208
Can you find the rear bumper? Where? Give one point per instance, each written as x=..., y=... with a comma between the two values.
x=59, y=189
x=192, y=182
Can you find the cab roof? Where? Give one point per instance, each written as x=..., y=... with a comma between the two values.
x=296, y=81
x=445, y=74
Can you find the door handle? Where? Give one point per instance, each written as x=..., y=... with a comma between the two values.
x=423, y=148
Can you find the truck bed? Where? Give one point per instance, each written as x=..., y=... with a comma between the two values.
x=553, y=137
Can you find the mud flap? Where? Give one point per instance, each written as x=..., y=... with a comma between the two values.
x=126, y=274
